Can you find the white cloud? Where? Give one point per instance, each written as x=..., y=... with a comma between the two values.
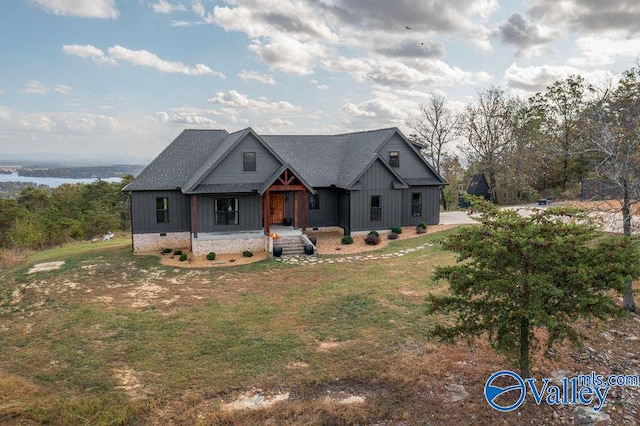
x=145, y=58
x=88, y=51
x=598, y=51
x=289, y=55
x=254, y=75
x=528, y=36
x=63, y=89
x=105, y=9
x=142, y=58
x=525, y=81
x=163, y=6
x=320, y=86
x=235, y=99
x=34, y=87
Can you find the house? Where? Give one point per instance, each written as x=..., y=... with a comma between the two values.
x=478, y=187
x=216, y=191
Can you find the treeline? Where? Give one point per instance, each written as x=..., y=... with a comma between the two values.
x=10, y=190
x=40, y=218
x=102, y=172
x=545, y=145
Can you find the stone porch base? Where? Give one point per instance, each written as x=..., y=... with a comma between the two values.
x=156, y=241
x=229, y=242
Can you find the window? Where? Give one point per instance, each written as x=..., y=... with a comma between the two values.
x=248, y=161
x=226, y=211
x=416, y=204
x=376, y=209
x=314, y=201
x=394, y=159
x=162, y=209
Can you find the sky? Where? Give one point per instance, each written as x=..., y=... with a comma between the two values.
x=118, y=80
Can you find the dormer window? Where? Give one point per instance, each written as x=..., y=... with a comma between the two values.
x=394, y=159
x=248, y=161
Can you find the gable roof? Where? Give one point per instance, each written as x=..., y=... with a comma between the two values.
x=175, y=164
x=318, y=161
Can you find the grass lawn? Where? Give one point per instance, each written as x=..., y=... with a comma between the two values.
x=115, y=338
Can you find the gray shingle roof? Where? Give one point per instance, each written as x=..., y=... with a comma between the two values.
x=321, y=161
x=173, y=167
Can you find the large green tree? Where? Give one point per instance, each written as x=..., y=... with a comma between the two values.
x=518, y=273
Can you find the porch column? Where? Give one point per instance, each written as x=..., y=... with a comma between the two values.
x=266, y=209
x=295, y=209
x=194, y=215
x=305, y=207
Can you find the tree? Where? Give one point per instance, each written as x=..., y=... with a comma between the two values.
x=615, y=138
x=516, y=274
x=561, y=107
x=435, y=128
x=486, y=125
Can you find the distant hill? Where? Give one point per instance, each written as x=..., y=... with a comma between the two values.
x=102, y=172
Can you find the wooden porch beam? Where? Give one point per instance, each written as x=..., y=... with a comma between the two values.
x=295, y=209
x=194, y=215
x=286, y=188
x=305, y=207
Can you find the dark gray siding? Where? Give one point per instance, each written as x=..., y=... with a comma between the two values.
x=430, y=205
x=344, y=206
x=411, y=166
x=377, y=180
x=230, y=169
x=144, y=219
x=327, y=214
x=249, y=211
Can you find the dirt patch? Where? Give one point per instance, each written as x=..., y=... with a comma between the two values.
x=144, y=294
x=129, y=382
x=255, y=401
x=227, y=259
x=329, y=346
x=330, y=242
x=46, y=266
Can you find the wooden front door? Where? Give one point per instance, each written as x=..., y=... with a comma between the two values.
x=277, y=208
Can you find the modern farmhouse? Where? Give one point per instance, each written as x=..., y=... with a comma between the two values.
x=211, y=190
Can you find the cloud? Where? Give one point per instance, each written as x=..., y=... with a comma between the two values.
x=34, y=87
x=289, y=55
x=88, y=51
x=526, y=81
x=297, y=37
x=163, y=6
x=63, y=89
x=142, y=58
x=527, y=36
x=320, y=86
x=612, y=16
x=105, y=9
x=599, y=51
x=234, y=99
x=254, y=75
x=413, y=49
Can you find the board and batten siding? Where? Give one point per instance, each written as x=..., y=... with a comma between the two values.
x=143, y=212
x=430, y=206
x=377, y=180
x=230, y=169
x=249, y=213
x=327, y=214
x=411, y=165
x=344, y=203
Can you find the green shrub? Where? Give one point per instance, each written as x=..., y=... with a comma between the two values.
x=374, y=233
x=247, y=253
x=396, y=230
x=420, y=230
x=421, y=225
x=372, y=239
x=183, y=257
x=392, y=235
x=211, y=256
x=177, y=252
x=347, y=239
x=166, y=250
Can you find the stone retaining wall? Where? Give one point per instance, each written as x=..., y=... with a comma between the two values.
x=231, y=245
x=153, y=242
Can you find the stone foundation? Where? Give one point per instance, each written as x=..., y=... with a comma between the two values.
x=233, y=243
x=154, y=241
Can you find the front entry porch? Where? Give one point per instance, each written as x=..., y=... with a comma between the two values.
x=286, y=193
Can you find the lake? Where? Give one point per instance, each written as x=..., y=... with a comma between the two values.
x=49, y=181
